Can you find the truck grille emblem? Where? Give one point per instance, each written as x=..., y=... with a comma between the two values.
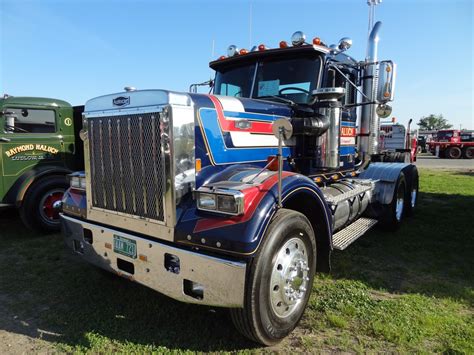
x=121, y=101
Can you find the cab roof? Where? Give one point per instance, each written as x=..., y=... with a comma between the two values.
x=268, y=53
x=33, y=101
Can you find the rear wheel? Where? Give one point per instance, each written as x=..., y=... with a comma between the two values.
x=453, y=153
x=468, y=153
x=411, y=198
x=393, y=213
x=279, y=281
x=42, y=204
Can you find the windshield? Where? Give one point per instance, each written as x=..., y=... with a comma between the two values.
x=445, y=135
x=292, y=79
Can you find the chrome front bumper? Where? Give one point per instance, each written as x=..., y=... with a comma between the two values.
x=198, y=279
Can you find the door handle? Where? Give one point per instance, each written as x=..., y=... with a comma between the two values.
x=3, y=139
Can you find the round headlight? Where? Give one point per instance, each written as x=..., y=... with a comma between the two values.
x=298, y=38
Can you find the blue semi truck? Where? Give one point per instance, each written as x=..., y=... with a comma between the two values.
x=237, y=198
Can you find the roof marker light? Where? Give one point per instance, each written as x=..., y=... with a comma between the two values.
x=222, y=57
x=317, y=41
x=243, y=51
x=298, y=38
x=283, y=44
x=262, y=47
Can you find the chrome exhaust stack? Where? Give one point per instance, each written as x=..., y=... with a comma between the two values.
x=370, y=123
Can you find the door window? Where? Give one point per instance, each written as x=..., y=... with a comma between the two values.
x=26, y=120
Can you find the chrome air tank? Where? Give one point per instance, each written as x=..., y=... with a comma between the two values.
x=346, y=210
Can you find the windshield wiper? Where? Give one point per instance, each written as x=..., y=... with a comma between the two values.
x=278, y=98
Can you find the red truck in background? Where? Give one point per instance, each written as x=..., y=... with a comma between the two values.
x=453, y=144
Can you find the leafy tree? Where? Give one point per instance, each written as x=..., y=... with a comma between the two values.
x=433, y=122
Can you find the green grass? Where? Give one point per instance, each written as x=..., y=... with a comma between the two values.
x=409, y=291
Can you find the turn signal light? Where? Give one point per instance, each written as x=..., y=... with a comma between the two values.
x=197, y=165
x=317, y=41
x=283, y=44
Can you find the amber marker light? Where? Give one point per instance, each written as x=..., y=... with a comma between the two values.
x=243, y=51
x=318, y=180
x=335, y=177
x=222, y=57
x=261, y=47
x=272, y=163
x=108, y=245
x=316, y=41
x=197, y=165
x=283, y=44
x=143, y=257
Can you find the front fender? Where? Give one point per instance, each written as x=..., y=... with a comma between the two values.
x=17, y=192
x=242, y=235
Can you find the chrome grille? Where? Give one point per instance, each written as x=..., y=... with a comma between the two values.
x=127, y=165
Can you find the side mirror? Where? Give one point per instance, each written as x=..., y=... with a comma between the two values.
x=386, y=85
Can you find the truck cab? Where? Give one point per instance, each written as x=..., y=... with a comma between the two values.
x=38, y=148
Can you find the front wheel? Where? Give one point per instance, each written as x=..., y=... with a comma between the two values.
x=42, y=203
x=279, y=280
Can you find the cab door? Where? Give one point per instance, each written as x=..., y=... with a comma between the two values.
x=29, y=139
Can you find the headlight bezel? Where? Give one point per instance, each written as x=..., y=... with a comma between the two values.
x=218, y=195
x=77, y=181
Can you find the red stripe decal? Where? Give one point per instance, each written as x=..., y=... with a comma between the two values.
x=229, y=125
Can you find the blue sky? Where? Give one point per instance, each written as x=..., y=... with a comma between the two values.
x=79, y=49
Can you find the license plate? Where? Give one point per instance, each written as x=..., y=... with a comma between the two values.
x=125, y=246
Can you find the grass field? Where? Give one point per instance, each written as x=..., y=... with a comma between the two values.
x=408, y=291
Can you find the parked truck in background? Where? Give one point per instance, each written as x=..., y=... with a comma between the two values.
x=39, y=147
x=235, y=199
x=453, y=144
x=399, y=144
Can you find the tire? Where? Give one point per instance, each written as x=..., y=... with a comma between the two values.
x=453, y=153
x=411, y=199
x=394, y=212
x=468, y=153
x=269, y=313
x=37, y=211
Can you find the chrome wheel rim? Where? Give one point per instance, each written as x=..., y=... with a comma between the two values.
x=49, y=208
x=413, y=197
x=289, y=278
x=399, y=205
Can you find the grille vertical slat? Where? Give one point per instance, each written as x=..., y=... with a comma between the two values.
x=127, y=166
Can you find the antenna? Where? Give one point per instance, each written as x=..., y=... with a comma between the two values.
x=250, y=26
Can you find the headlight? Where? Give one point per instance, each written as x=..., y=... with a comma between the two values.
x=206, y=201
x=226, y=203
x=221, y=201
x=77, y=181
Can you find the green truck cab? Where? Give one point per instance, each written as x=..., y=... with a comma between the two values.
x=39, y=147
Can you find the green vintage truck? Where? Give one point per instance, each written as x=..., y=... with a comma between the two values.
x=39, y=147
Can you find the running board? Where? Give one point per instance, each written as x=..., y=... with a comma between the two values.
x=345, y=237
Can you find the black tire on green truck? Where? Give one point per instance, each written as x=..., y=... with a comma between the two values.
x=279, y=280
x=41, y=205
